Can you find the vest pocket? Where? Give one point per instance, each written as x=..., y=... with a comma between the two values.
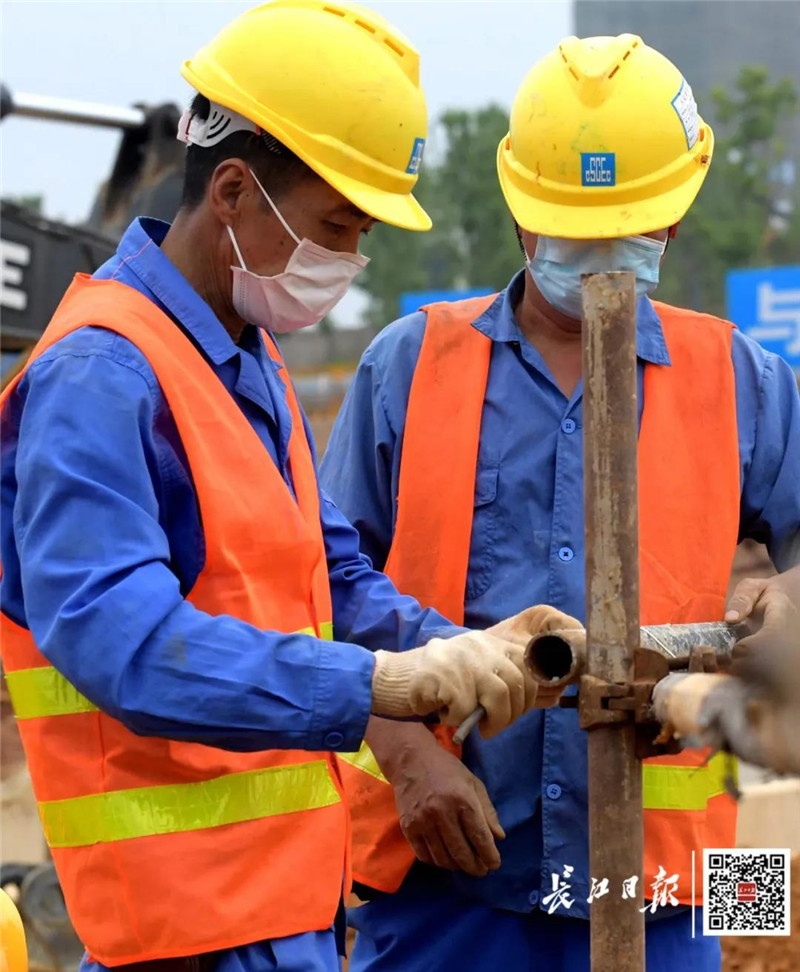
x=485, y=524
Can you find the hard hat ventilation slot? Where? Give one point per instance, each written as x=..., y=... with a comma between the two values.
x=333, y=10
x=367, y=27
x=570, y=68
x=392, y=46
x=614, y=72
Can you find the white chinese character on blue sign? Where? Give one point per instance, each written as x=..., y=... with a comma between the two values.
x=765, y=304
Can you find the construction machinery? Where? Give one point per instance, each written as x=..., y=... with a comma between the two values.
x=40, y=255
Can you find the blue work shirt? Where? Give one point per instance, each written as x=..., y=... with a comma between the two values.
x=101, y=533
x=528, y=546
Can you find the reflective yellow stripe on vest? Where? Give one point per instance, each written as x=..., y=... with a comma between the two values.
x=146, y=811
x=39, y=692
x=686, y=787
x=102, y=818
x=664, y=787
x=364, y=760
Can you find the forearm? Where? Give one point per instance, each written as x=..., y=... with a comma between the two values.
x=394, y=743
x=144, y=655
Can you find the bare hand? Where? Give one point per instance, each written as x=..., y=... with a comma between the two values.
x=772, y=606
x=445, y=811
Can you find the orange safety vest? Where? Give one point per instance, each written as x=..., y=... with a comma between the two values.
x=167, y=848
x=688, y=529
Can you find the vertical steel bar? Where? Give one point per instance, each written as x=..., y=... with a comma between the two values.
x=612, y=609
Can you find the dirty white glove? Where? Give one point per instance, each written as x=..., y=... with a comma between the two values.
x=453, y=676
x=538, y=620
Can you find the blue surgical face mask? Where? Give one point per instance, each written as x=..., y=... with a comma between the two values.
x=558, y=263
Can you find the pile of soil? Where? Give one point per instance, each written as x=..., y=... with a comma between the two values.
x=767, y=953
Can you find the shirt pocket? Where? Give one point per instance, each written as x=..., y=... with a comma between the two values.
x=485, y=526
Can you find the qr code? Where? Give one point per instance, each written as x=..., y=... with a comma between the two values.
x=746, y=892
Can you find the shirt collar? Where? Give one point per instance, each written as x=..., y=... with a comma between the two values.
x=499, y=323
x=140, y=252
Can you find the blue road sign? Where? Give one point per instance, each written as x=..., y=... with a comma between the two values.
x=765, y=304
x=413, y=300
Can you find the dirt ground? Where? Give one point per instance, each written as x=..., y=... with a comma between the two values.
x=767, y=953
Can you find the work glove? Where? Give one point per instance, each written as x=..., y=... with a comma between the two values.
x=454, y=676
x=534, y=621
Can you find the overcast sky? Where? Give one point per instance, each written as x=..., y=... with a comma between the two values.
x=128, y=51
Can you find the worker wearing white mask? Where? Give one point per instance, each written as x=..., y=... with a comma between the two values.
x=189, y=632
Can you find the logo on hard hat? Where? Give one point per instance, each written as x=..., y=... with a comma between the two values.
x=598, y=169
x=686, y=108
x=416, y=156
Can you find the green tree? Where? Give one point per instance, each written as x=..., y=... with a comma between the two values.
x=735, y=221
x=476, y=217
x=403, y=260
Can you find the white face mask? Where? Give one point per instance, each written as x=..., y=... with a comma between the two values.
x=313, y=283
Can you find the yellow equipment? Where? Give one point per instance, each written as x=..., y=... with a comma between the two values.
x=338, y=85
x=13, y=954
x=604, y=141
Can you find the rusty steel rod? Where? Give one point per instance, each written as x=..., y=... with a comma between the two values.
x=559, y=657
x=612, y=609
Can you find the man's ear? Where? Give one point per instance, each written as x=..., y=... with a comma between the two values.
x=229, y=188
x=672, y=232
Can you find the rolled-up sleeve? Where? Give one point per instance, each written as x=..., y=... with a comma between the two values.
x=107, y=611
x=768, y=408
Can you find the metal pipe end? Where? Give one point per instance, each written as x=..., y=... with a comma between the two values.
x=557, y=658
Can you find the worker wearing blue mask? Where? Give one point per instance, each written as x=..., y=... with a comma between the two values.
x=460, y=442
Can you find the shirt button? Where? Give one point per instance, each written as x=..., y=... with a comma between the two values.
x=333, y=740
x=566, y=554
x=533, y=898
x=553, y=791
x=568, y=426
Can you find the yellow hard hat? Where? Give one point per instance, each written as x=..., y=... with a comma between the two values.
x=604, y=141
x=336, y=84
x=13, y=954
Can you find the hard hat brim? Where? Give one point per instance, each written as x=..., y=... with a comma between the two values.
x=396, y=209
x=586, y=220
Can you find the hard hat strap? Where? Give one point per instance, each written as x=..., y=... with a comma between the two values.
x=275, y=210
